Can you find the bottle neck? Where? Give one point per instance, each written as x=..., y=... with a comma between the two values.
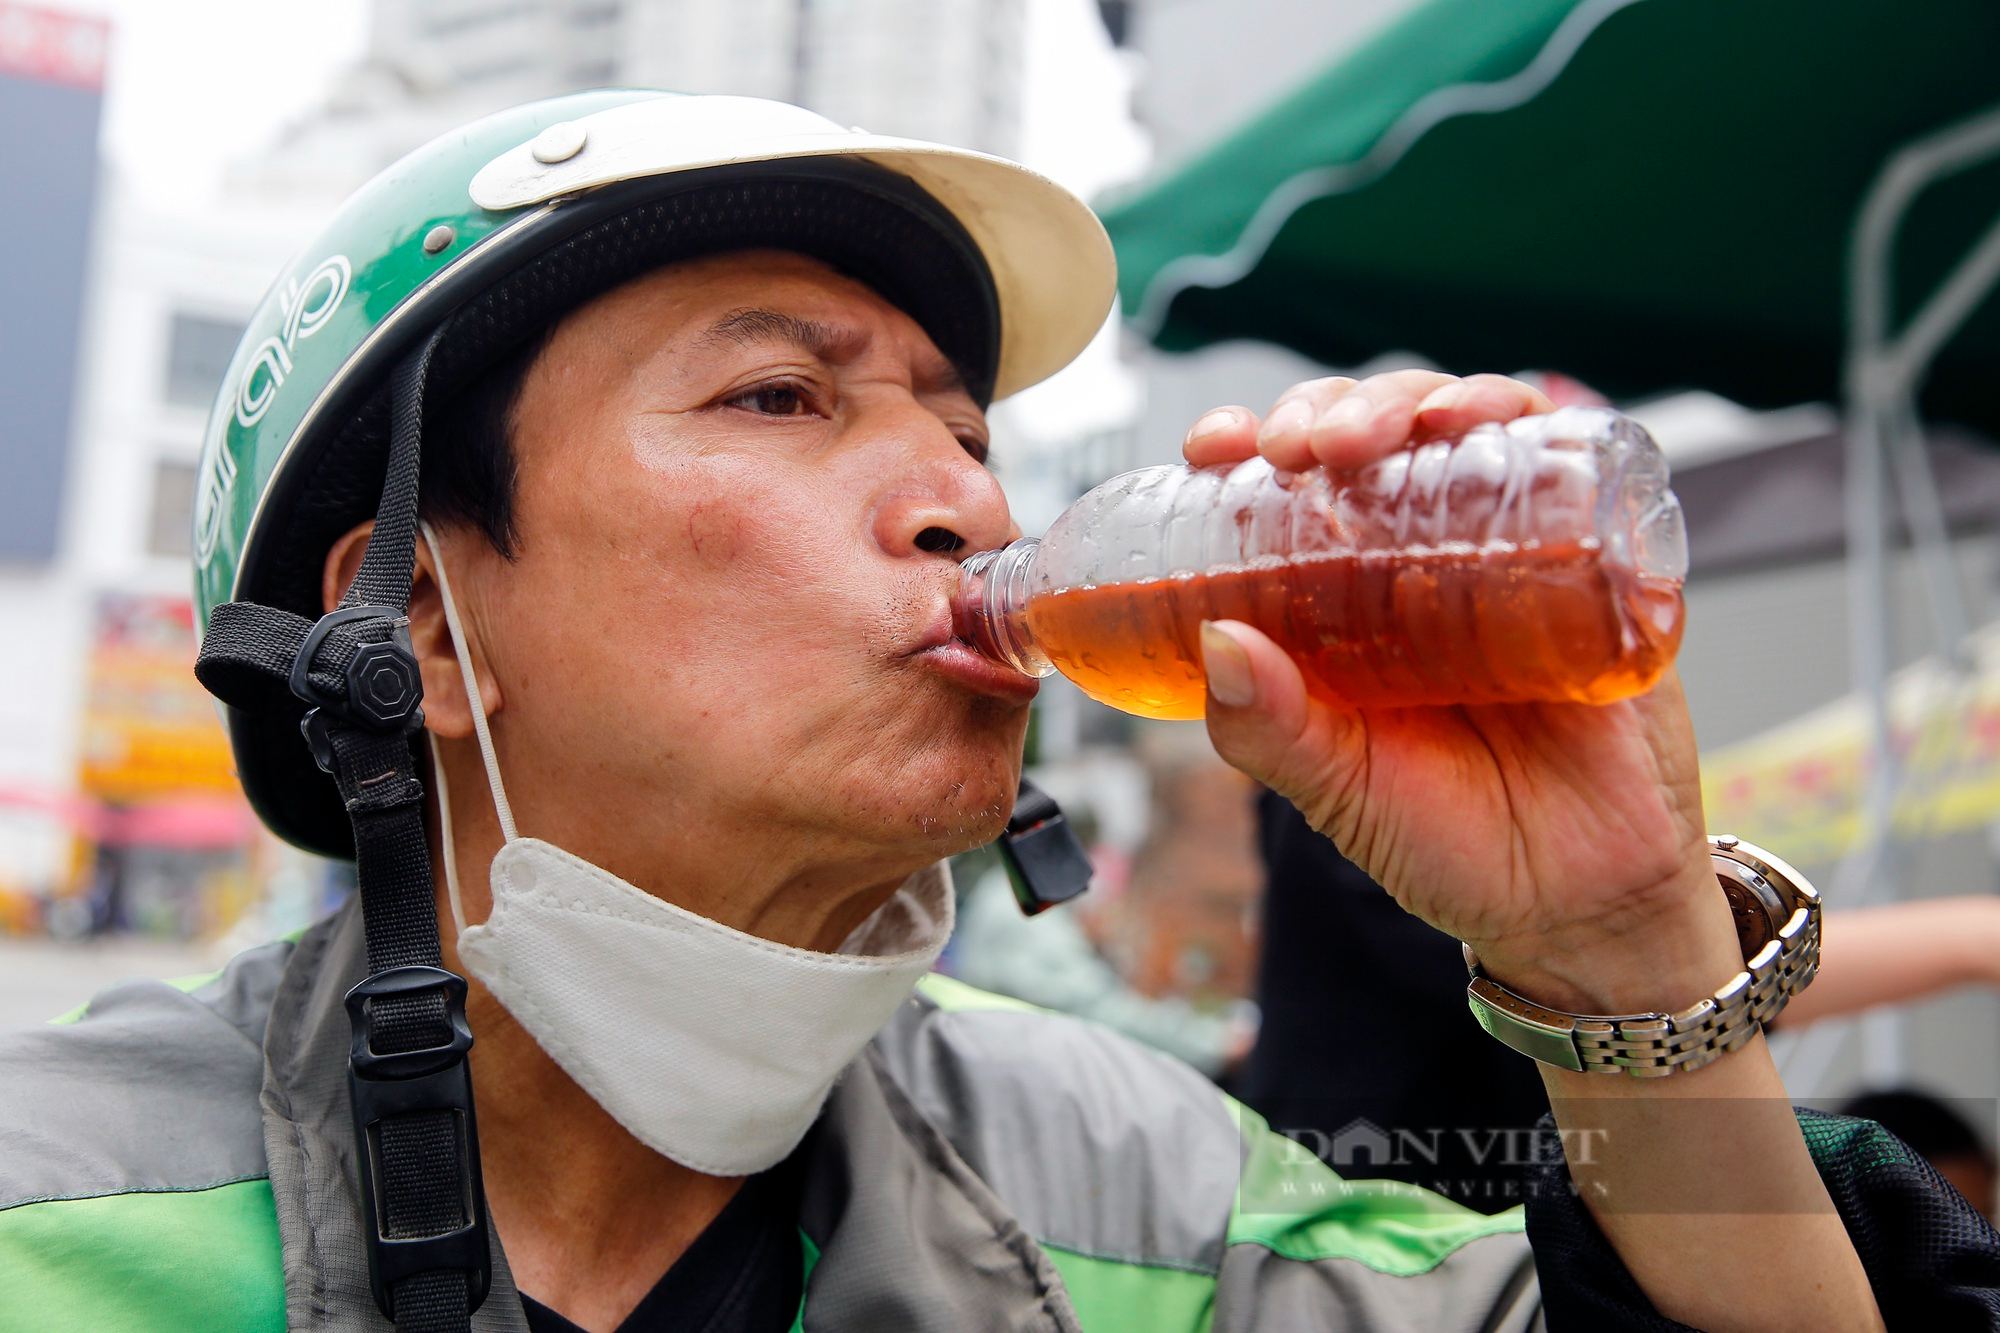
x=991, y=609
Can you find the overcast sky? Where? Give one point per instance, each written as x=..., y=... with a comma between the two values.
x=194, y=84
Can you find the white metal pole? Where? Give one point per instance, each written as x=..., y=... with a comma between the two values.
x=1883, y=373
x=1868, y=640
x=1881, y=378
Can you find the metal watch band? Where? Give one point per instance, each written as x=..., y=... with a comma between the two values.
x=1777, y=922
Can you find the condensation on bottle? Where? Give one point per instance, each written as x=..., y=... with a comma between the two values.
x=1539, y=560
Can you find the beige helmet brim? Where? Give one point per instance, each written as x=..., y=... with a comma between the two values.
x=1051, y=261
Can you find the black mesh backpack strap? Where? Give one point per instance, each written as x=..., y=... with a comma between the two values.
x=417, y=1145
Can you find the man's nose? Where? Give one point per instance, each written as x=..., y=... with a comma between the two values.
x=946, y=503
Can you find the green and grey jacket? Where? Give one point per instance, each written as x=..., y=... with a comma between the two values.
x=180, y=1158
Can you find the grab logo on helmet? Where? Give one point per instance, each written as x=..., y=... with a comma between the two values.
x=305, y=306
x=211, y=489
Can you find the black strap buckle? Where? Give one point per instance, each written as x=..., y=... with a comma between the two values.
x=1045, y=863
x=384, y=686
x=398, y=1083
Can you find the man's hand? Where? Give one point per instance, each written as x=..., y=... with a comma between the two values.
x=1564, y=842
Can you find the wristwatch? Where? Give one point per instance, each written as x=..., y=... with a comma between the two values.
x=1777, y=923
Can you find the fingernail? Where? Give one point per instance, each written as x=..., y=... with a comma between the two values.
x=1293, y=418
x=1221, y=419
x=1228, y=667
x=1451, y=395
x=1347, y=414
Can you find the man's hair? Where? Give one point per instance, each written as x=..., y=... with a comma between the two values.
x=469, y=470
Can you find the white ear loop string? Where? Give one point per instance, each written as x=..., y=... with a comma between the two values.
x=500, y=807
x=459, y=645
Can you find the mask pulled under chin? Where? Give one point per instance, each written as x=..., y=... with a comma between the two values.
x=711, y=1046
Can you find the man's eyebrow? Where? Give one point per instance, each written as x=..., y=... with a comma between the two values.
x=747, y=326
x=828, y=342
x=939, y=375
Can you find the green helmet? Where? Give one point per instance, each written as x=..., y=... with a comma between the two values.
x=486, y=236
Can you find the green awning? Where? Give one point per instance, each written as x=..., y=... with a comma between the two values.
x=1647, y=194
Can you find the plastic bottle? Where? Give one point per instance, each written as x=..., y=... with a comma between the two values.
x=1539, y=560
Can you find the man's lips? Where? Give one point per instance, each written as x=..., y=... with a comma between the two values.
x=960, y=662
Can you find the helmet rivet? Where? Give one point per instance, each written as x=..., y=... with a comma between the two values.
x=437, y=238
x=558, y=143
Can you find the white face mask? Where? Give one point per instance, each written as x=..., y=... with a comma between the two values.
x=711, y=1046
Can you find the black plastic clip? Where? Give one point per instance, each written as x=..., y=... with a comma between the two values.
x=1045, y=863
x=399, y=1083
x=313, y=727
x=384, y=686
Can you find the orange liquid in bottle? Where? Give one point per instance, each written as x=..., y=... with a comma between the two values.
x=1378, y=630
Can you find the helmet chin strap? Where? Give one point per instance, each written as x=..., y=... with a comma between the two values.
x=416, y=1139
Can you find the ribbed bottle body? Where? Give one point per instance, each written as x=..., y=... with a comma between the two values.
x=1539, y=560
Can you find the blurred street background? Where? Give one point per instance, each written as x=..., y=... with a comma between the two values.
x=1652, y=202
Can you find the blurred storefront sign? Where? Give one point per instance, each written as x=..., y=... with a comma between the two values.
x=45, y=44
x=164, y=842
x=1800, y=786
x=149, y=729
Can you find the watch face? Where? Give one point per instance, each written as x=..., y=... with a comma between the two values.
x=1755, y=904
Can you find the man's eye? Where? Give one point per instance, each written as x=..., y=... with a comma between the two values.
x=778, y=400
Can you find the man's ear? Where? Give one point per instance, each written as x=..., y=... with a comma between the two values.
x=447, y=708
x=343, y=562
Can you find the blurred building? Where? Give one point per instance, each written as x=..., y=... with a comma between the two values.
x=937, y=69
x=116, y=794
x=51, y=78
x=116, y=789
